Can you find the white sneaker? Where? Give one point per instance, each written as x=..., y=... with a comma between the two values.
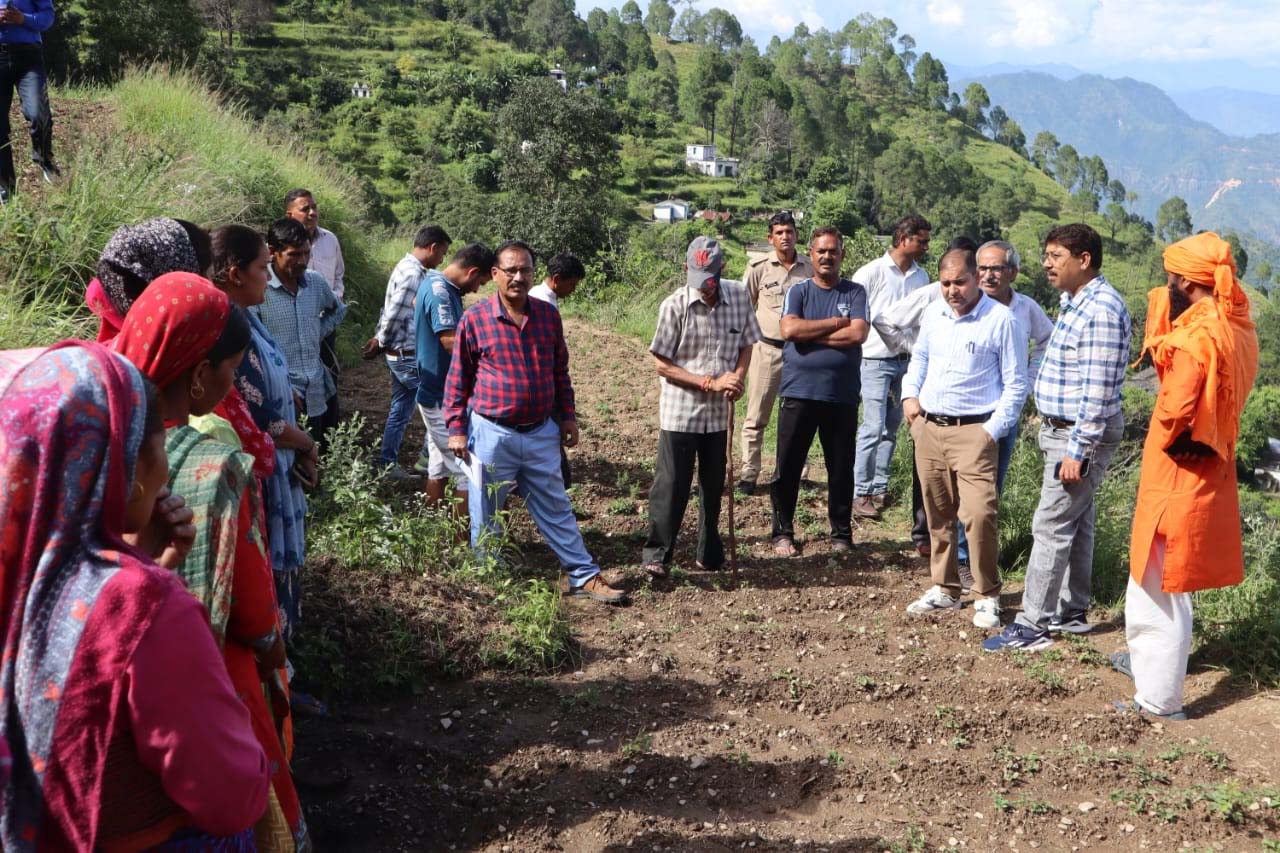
x=932, y=601
x=986, y=612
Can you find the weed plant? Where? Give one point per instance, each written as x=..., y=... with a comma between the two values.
x=388, y=547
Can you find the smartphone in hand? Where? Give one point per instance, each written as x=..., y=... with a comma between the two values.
x=1084, y=470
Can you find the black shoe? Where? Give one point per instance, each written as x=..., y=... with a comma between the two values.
x=746, y=487
x=49, y=171
x=4, y=196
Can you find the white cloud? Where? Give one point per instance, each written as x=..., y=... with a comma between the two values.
x=1030, y=24
x=945, y=13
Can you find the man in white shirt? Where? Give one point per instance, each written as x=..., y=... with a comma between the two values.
x=564, y=273
x=963, y=391
x=886, y=280
x=326, y=259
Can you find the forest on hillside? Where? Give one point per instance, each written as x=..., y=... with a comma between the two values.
x=461, y=124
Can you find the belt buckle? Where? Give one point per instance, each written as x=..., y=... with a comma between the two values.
x=947, y=420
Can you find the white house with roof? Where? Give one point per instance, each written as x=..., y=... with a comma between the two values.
x=671, y=210
x=703, y=159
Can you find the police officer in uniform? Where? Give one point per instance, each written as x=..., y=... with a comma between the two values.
x=767, y=281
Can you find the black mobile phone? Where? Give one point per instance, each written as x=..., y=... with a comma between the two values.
x=1084, y=470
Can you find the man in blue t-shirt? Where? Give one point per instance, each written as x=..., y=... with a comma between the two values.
x=824, y=322
x=436, y=312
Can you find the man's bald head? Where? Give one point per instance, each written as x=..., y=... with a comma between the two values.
x=959, y=260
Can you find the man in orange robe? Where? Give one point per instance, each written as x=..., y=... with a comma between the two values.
x=1186, y=526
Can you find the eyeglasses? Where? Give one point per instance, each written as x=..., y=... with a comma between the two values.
x=1053, y=257
x=512, y=272
x=997, y=268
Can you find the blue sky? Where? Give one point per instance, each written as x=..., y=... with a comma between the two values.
x=1177, y=41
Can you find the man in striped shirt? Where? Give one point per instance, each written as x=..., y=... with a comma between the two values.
x=1078, y=394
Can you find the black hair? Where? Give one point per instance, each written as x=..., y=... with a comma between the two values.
x=475, y=255
x=826, y=231
x=782, y=217
x=234, y=339
x=963, y=243
x=566, y=265
x=965, y=256
x=233, y=246
x=293, y=195
x=515, y=244
x=1078, y=238
x=154, y=420
x=286, y=232
x=431, y=235
x=909, y=226
x=201, y=242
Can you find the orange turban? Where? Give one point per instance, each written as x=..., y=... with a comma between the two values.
x=1219, y=334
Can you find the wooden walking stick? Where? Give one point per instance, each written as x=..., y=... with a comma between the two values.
x=729, y=485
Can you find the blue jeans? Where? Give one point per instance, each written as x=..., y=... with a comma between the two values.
x=404, y=388
x=881, y=417
x=529, y=462
x=22, y=67
x=1005, y=449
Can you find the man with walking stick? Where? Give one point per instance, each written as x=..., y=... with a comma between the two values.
x=702, y=347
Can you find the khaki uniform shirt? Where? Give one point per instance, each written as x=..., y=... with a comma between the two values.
x=767, y=282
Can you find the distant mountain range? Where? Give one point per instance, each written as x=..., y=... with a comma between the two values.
x=1150, y=143
x=1233, y=110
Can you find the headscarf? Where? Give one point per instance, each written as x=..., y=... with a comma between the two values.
x=74, y=599
x=147, y=250
x=169, y=330
x=1231, y=362
x=173, y=325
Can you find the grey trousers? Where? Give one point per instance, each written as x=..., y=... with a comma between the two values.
x=1060, y=571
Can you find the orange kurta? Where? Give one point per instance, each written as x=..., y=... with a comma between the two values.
x=1206, y=361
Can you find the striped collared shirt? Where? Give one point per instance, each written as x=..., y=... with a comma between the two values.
x=1083, y=368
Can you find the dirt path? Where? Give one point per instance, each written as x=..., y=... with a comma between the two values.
x=802, y=709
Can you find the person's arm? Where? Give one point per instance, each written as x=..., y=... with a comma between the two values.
x=1013, y=377
x=189, y=727
x=1041, y=331
x=438, y=311
x=725, y=383
x=917, y=370
x=1103, y=354
x=751, y=281
x=38, y=20
x=459, y=384
x=1180, y=390
x=334, y=312
x=398, y=303
x=802, y=331
x=339, y=269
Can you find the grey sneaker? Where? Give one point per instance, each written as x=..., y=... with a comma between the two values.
x=966, y=578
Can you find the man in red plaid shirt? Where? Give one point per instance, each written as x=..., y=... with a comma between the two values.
x=507, y=388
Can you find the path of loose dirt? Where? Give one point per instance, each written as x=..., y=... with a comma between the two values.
x=801, y=709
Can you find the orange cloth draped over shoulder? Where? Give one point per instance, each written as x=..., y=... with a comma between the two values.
x=1206, y=360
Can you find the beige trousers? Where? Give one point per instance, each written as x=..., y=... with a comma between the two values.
x=764, y=376
x=957, y=467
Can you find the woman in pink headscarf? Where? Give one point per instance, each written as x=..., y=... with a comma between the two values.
x=124, y=728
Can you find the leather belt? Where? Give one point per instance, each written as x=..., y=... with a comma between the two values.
x=773, y=342
x=525, y=427
x=955, y=420
x=1059, y=423
x=906, y=356
x=399, y=353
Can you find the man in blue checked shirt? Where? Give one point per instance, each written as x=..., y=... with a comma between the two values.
x=395, y=340
x=1078, y=395
x=22, y=67
x=963, y=391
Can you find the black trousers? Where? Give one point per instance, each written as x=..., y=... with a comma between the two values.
x=836, y=425
x=677, y=454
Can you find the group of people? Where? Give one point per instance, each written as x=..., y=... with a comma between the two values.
x=151, y=537
x=957, y=359
x=154, y=502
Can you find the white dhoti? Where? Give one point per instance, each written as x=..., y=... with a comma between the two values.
x=1158, y=628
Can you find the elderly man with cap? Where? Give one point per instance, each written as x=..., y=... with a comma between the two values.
x=1186, y=526
x=702, y=347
